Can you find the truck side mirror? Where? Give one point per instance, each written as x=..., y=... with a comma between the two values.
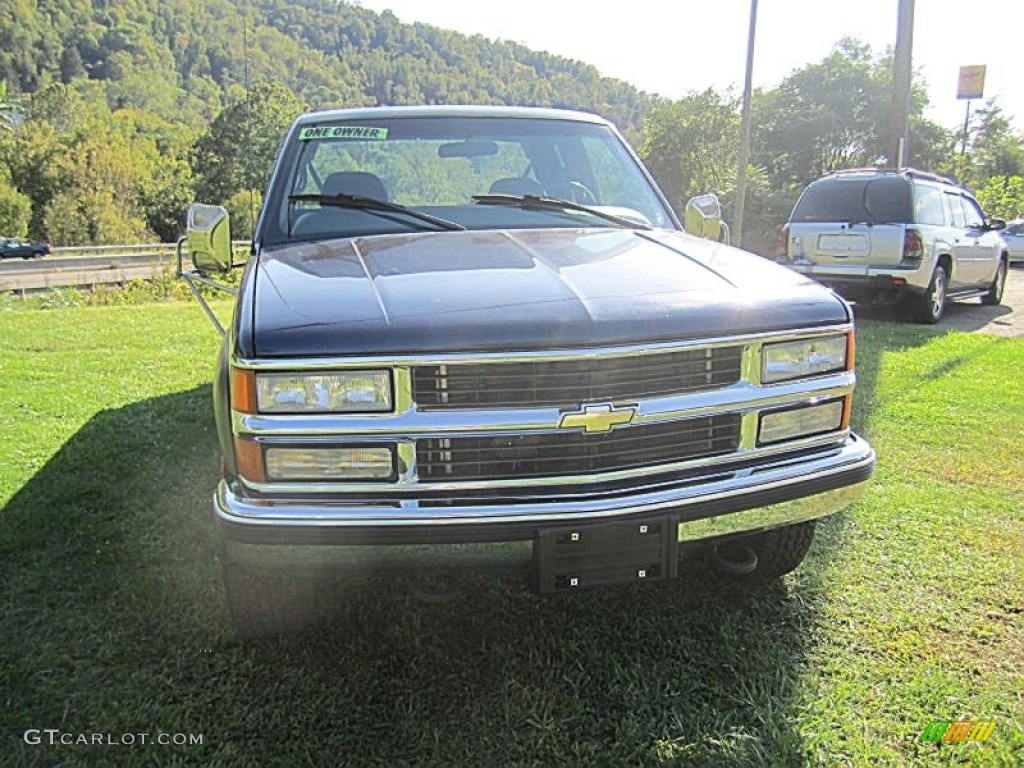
x=703, y=216
x=209, y=238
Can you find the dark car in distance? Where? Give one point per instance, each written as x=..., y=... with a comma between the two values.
x=468, y=334
x=15, y=248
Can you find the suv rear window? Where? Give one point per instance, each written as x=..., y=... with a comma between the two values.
x=874, y=200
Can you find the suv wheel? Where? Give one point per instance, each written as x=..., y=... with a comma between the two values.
x=764, y=556
x=931, y=305
x=995, y=291
x=267, y=605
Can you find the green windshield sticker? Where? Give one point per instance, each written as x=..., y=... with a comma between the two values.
x=343, y=132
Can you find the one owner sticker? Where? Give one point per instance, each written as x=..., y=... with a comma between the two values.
x=365, y=132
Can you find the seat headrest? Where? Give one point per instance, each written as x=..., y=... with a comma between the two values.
x=355, y=183
x=516, y=185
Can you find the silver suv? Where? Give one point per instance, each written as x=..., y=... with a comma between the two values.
x=896, y=236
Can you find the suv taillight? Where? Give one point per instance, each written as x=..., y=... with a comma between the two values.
x=782, y=245
x=913, y=245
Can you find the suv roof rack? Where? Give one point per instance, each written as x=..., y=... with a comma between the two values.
x=909, y=172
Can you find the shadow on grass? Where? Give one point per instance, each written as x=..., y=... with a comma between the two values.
x=969, y=315
x=113, y=621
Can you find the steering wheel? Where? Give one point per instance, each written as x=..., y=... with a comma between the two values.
x=579, y=193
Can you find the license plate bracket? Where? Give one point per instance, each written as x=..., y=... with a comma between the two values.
x=595, y=555
x=843, y=245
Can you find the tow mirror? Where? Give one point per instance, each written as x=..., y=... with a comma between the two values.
x=703, y=217
x=209, y=238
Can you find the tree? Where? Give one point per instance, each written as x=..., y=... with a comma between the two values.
x=238, y=151
x=31, y=161
x=8, y=109
x=824, y=117
x=995, y=150
x=99, y=200
x=1002, y=197
x=690, y=146
x=243, y=210
x=91, y=216
x=15, y=211
x=834, y=114
x=94, y=176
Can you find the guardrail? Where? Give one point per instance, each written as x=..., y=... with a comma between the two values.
x=87, y=266
x=143, y=249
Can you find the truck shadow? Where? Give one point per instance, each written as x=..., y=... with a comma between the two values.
x=113, y=618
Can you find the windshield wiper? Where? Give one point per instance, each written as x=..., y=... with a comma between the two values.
x=555, y=204
x=374, y=204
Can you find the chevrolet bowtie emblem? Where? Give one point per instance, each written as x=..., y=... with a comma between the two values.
x=597, y=418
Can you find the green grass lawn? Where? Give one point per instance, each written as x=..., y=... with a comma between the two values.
x=909, y=608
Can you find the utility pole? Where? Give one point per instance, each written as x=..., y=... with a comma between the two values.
x=898, y=133
x=741, y=172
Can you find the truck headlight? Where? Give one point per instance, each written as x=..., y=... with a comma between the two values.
x=807, y=357
x=333, y=392
x=311, y=463
x=803, y=421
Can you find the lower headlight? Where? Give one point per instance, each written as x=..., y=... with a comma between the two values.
x=329, y=463
x=800, y=422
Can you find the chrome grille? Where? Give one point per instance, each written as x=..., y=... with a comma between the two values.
x=574, y=382
x=552, y=454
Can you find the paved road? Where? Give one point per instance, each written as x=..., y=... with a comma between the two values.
x=1005, y=320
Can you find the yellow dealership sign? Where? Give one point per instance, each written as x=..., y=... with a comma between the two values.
x=972, y=82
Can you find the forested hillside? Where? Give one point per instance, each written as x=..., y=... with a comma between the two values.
x=116, y=114
x=186, y=59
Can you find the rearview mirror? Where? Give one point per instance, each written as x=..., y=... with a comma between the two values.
x=997, y=224
x=703, y=216
x=468, y=148
x=209, y=238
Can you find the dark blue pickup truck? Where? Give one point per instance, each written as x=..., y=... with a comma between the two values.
x=14, y=248
x=470, y=333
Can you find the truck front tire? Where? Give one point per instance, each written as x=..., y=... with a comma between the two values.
x=765, y=556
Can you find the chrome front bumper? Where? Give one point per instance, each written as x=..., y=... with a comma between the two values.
x=314, y=531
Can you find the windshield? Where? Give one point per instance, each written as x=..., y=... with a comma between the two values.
x=442, y=168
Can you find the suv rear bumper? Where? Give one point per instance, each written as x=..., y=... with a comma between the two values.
x=283, y=532
x=870, y=283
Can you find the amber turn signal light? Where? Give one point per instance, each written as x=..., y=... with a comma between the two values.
x=243, y=390
x=249, y=459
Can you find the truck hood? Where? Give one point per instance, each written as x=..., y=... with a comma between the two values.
x=518, y=290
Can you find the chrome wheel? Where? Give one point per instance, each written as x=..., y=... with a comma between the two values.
x=938, y=297
x=929, y=306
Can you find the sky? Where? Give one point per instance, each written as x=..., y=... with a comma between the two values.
x=671, y=47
